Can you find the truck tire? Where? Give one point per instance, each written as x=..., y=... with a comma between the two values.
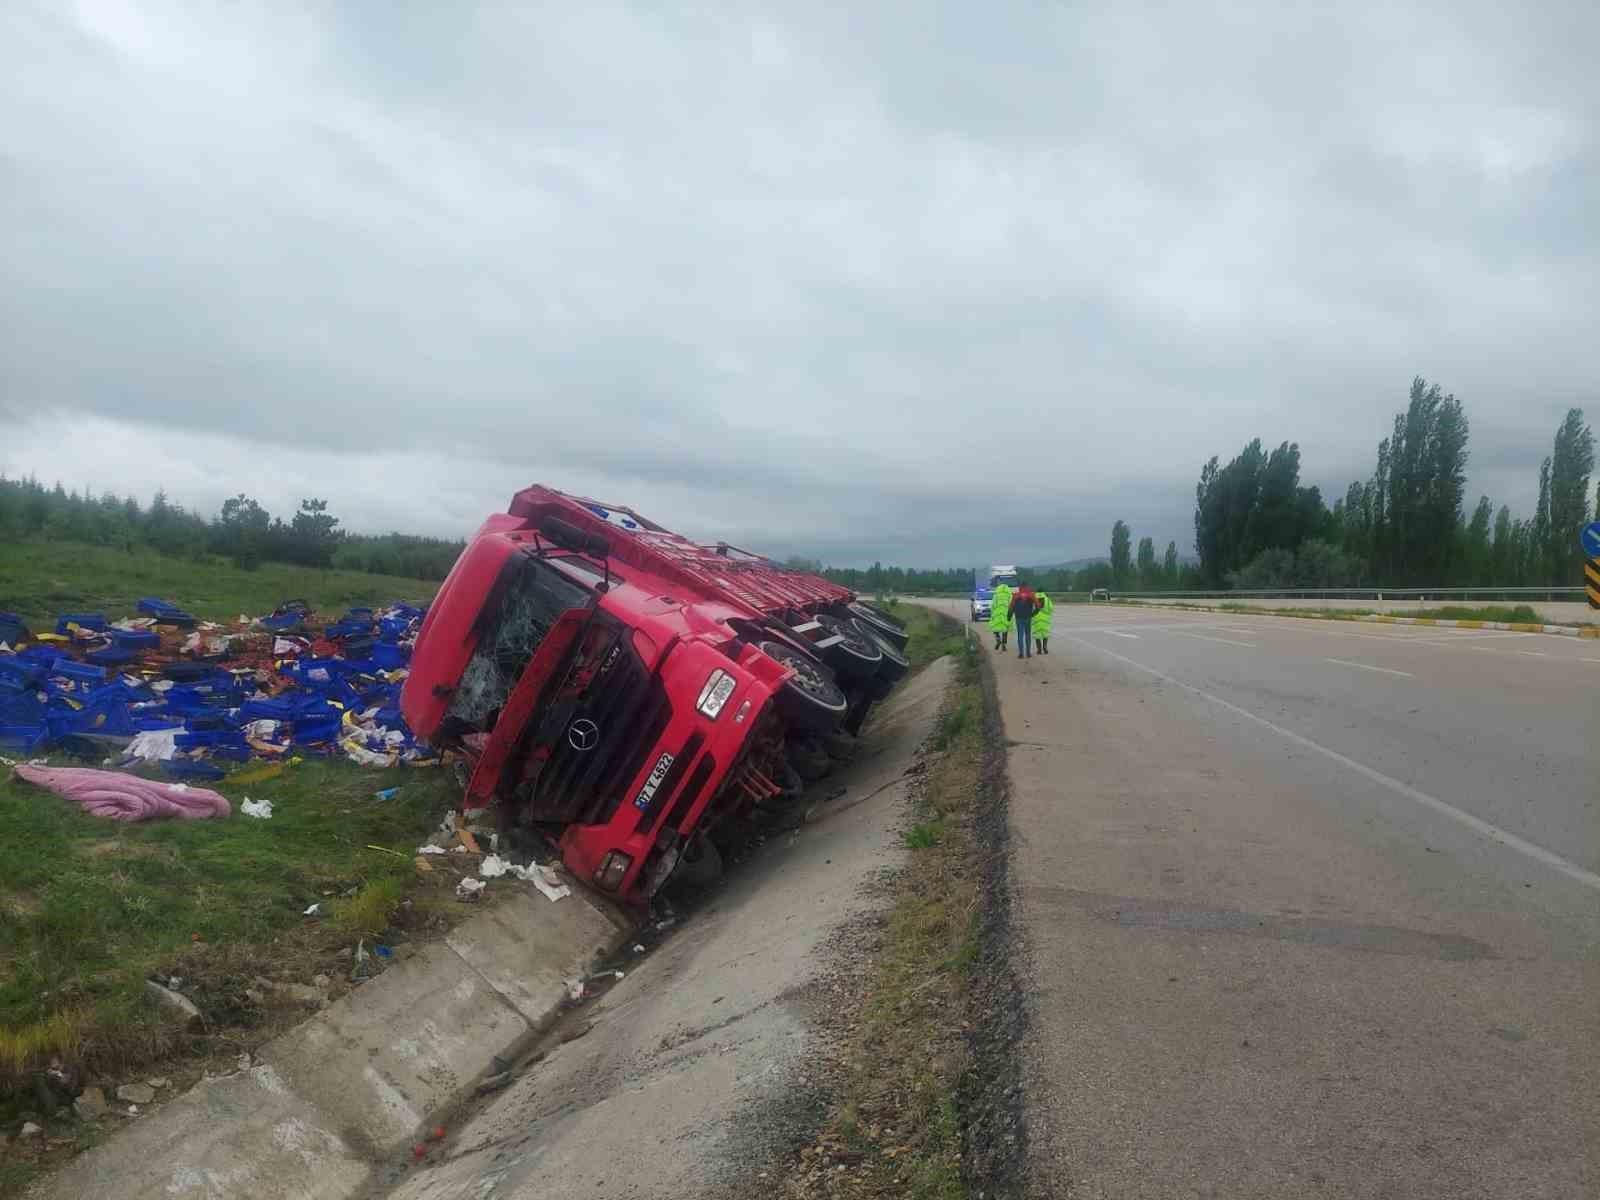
x=841, y=748
x=857, y=655
x=888, y=630
x=810, y=759
x=700, y=865
x=810, y=699
x=894, y=665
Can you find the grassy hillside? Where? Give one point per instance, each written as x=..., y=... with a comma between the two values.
x=41, y=579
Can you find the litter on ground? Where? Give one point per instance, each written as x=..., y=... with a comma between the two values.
x=260, y=809
x=542, y=877
x=196, y=698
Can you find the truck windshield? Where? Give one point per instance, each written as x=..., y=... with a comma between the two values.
x=519, y=610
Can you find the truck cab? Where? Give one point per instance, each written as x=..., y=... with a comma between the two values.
x=983, y=596
x=625, y=690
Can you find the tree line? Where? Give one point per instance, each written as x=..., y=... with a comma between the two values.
x=1164, y=573
x=242, y=531
x=1256, y=526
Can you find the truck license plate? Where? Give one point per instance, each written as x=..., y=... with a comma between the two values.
x=657, y=774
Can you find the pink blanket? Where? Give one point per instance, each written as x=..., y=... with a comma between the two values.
x=120, y=797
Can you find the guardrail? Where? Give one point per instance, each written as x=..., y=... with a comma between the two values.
x=1382, y=593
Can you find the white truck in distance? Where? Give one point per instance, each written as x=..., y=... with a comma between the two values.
x=982, y=597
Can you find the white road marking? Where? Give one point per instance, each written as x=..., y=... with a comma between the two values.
x=1365, y=667
x=1408, y=639
x=1476, y=824
x=1147, y=625
x=1222, y=641
x=1468, y=635
x=1115, y=633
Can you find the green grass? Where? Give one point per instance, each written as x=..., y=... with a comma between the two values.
x=931, y=634
x=1520, y=614
x=893, y=1116
x=90, y=908
x=39, y=580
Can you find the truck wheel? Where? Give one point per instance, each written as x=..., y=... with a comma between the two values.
x=840, y=748
x=810, y=699
x=895, y=665
x=883, y=612
x=810, y=759
x=857, y=654
x=888, y=630
x=700, y=865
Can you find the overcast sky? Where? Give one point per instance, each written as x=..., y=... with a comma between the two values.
x=931, y=284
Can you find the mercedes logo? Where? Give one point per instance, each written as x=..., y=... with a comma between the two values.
x=583, y=734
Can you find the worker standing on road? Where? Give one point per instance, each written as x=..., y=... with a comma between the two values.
x=1024, y=603
x=1000, y=614
x=1042, y=618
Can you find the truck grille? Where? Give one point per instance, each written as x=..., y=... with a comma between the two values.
x=628, y=710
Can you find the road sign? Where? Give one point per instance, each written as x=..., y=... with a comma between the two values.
x=1591, y=582
x=1589, y=539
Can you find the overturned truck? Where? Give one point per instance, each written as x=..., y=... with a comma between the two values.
x=631, y=692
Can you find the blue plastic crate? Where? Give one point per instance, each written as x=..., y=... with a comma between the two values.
x=111, y=717
x=267, y=710
x=19, y=674
x=22, y=739
x=112, y=656
x=390, y=658
x=317, y=729
x=65, y=668
x=192, y=768
x=164, y=613
x=95, y=621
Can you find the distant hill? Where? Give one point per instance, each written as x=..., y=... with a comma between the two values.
x=1076, y=564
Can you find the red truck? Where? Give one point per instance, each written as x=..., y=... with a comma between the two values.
x=629, y=690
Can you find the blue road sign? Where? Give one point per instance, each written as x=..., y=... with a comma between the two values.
x=1590, y=539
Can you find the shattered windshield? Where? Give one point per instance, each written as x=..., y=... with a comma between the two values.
x=517, y=614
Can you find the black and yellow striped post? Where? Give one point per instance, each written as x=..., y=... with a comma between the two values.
x=1591, y=581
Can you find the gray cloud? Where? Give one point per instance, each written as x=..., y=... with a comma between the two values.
x=903, y=282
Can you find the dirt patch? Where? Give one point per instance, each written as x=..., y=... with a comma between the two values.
x=121, y=849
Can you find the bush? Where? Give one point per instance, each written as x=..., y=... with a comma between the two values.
x=1316, y=564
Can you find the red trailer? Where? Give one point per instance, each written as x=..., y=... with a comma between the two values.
x=629, y=690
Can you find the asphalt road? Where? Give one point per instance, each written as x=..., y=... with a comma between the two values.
x=1306, y=908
